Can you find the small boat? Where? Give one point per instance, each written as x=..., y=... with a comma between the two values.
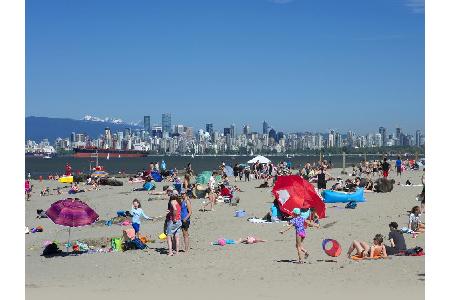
x=192, y=155
x=107, y=157
x=47, y=156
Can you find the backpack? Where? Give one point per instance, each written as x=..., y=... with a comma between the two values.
x=116, y=244
x=351, y=205
x=139, y=244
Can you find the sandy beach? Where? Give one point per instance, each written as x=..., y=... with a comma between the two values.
x=259, y=271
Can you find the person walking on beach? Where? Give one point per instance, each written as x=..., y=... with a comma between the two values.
x=137, y=213
x=398, y=166
x=174, y=225
x=386, y=167
x=298, y=222
x=186, y=212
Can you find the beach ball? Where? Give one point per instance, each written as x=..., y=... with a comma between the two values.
x=335, y=249
x=162, y=236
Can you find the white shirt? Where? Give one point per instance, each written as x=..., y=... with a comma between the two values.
x=212, y=182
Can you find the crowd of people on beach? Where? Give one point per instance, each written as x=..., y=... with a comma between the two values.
x=219, y=188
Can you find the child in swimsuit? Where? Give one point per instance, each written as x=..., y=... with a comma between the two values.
x=300, y=233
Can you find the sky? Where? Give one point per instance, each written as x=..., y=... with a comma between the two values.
x=301, y=65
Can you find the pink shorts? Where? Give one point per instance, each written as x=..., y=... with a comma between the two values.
x=301, y=234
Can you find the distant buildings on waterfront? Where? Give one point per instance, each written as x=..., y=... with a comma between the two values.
x=180, y=139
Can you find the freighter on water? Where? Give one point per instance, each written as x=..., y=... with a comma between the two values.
x=89, y=152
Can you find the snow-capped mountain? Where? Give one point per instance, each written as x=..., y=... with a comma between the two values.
x=107, y=119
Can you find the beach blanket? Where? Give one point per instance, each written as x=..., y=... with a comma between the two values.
x=262, y=221
x=357, y=257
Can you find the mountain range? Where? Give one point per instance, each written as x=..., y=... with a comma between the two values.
x=39, y=128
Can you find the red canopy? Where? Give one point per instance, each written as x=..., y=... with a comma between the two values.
x=293, y=191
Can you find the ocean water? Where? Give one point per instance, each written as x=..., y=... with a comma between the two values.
x=37, y=166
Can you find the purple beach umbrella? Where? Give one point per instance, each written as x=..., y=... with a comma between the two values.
x=71, y=213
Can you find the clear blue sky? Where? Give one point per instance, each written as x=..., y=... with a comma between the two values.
x=300, y=64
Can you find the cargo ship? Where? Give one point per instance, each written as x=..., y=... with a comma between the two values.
x=106, y=153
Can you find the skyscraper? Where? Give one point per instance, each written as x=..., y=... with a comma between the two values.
x=265, y=127
x=418, y=136
x=246, y=129
x=226, y=131
x=233, y=130
x=382, y=131
x=166, y=123
x=147, y=126
x=108, y=138
x=210, y=129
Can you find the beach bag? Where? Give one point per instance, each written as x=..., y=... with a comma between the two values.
x=351, y=205
x=116, y=244
x=139, y=244
x=240, y=213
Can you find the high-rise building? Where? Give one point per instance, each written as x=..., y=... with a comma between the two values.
x=246, y=129
x=233, y=131
x=418, y=135
x=226, y=131
x=108, y=138
x=210, y=129
x=157, y=131
x=127, y=133
x=166, y=123
x=382, y=131
x=72, y=137
x=265, y=127
x=272, y=134
x=147, y=126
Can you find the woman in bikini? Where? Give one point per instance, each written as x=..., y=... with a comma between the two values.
x=363, y=250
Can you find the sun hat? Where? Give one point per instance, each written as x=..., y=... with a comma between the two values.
x=296, y=211
x=183, y=191
x=175, y=193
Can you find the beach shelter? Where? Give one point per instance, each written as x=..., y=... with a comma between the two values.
x=293, y=191
x=260, y=158
x=229, y=171
x=203, y=177
x=71, y=213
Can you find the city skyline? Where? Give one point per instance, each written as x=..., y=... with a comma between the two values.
x=169, y=138
x=303, y=65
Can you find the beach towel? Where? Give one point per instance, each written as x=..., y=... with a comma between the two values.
x=258, y=221
x=357, y=257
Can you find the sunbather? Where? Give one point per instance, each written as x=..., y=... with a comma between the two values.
x=363, y=250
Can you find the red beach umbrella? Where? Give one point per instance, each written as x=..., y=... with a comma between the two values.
x=71, y=213
x=293, y=191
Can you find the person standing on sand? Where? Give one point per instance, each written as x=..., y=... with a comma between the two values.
x=137, y=213
x=300, y=233
x=174, y=225
x=186, y=212
x=386, y=167
x=398, y=166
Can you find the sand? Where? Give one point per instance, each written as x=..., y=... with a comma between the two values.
x=259, y=271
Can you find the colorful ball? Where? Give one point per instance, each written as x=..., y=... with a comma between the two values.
x=335, y=249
